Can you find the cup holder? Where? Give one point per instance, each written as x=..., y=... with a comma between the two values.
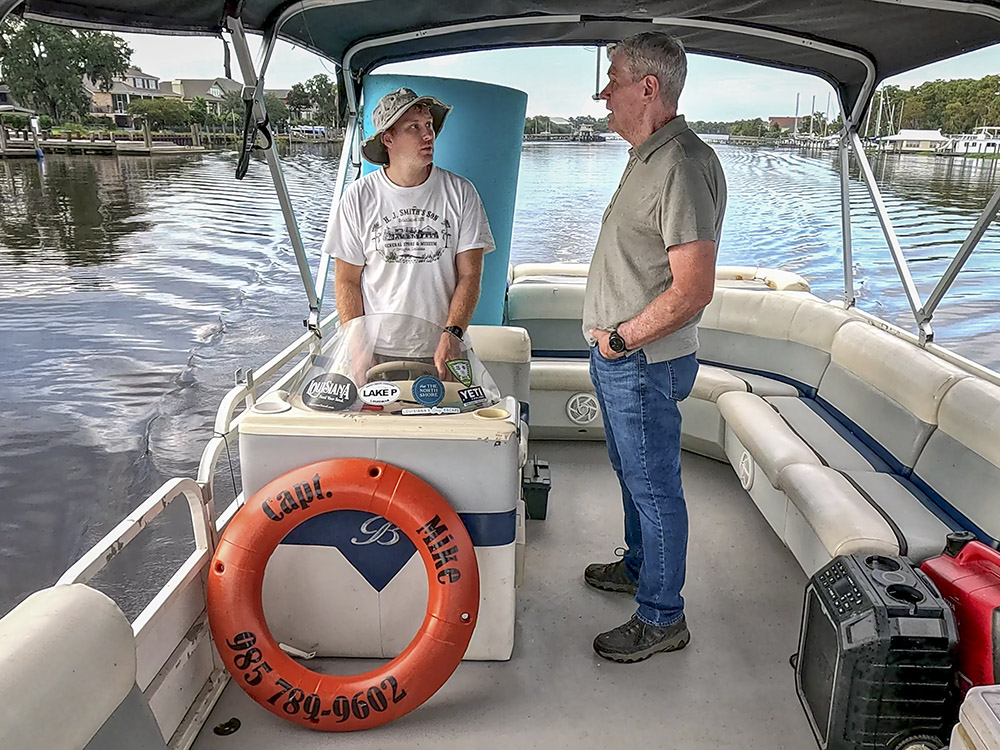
x=883, y=563
x=903, y=593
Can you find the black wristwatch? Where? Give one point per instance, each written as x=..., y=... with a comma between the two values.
x=615, y=342
x=455, y=331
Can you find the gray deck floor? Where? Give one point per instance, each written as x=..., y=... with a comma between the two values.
x=731, y=687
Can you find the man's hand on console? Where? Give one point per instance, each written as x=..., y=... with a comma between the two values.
x=449, y=348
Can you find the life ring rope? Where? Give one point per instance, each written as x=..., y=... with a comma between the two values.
x=343, y=702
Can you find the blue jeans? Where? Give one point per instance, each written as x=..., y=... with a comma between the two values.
x=643, y=430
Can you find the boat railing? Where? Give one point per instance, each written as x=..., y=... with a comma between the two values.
x=245, y=394
x=172, y=638
x=173, y=641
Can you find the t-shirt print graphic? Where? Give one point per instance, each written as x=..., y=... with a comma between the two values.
x=412, y=235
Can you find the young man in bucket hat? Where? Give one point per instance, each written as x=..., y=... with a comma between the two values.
x=410, y=237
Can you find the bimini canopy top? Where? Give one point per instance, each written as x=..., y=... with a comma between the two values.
x=852, y=43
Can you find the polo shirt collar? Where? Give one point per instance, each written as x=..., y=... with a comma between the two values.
x=668, y=132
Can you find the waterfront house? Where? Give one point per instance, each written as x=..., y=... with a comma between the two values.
x=8, y=105
x=212, y=90
x=915, y=141
x=113, y=104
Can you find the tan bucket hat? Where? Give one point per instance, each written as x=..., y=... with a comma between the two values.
x=389, y=109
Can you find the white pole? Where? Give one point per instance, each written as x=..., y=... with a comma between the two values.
x=811, y=113
x=878, y=119
x=795, y=125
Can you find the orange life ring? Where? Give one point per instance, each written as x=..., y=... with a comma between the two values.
x=343, y=702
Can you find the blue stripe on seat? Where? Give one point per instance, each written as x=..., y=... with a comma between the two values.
x=854, y=436
x=802, y=388
x=894, y=465
x=948, y=513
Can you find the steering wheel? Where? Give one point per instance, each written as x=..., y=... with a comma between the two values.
x=408, y=365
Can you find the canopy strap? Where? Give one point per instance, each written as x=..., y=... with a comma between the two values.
x=251, y=129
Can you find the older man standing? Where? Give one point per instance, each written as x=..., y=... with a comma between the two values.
x=652, y=273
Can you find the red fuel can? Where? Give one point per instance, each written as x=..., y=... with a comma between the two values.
x=968, y=576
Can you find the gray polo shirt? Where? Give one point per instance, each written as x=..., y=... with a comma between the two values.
x=673, y=191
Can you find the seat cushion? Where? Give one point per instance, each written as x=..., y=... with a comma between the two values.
x=837, y=514
x=561, y=375
x=712, y=382
x=764, y=434
x=781, y=430
x=961, y=461
x=863, y=383
x=550, y=308
x=910, y=509
x=786, y=332
x=764, y=386
x=845, y=521
x=832, y=442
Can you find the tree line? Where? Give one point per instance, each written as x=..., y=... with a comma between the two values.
x=956, y=106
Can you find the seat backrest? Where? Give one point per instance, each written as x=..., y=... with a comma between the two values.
x=778, y=333
x=549, y=269
x=888, y=387
x=67, y=675
x=506, y=353
x=550, y=307
x=961, y=461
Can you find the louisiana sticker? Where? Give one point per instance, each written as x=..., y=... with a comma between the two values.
x=330, y=392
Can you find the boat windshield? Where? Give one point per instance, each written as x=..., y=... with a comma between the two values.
x=386, y=364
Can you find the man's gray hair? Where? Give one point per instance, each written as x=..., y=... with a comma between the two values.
x=657, y=54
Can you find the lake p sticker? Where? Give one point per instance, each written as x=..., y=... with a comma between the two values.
x=428, y=390
x=379, y=393
x=330, y=392
x=462, y=370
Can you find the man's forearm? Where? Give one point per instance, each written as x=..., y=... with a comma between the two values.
x=661, y=317
x=349, y=302
x=463, y=302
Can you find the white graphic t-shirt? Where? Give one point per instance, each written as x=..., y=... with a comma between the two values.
x=407, y=239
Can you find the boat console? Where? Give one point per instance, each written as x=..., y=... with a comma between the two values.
x=348, y=583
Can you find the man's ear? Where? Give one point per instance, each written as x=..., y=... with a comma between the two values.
x=386, y=138
x=651, y=87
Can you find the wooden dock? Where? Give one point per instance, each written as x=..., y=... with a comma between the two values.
x=19, y=149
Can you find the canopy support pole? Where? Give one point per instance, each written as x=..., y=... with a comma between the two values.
x=845, y=217
x=254, y=90
x=957, y=263
x=909, y=287
x=338, y=191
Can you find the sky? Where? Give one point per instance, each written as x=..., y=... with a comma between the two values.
x=716, y=89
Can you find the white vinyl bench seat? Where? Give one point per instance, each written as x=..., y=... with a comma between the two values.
x=798, y=419
x=71, y=647
x=828, y=516
x=812, y=467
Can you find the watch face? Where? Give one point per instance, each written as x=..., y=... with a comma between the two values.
x=616, y=342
